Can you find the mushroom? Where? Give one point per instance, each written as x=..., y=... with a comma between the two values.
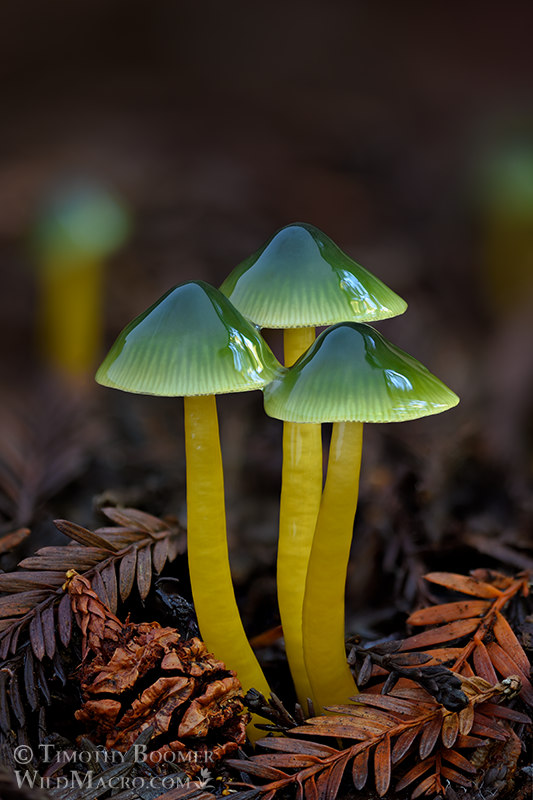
x=298, y=280
x=80, y=225
x=193, y=343
x=350, y=375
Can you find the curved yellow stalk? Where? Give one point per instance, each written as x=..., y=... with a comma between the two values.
x=295, y=342
x=301, y=489
x=323, y=610
x=212, y=588
x=71, y=314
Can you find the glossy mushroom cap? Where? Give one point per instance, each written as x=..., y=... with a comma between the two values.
x=352, y=373
x=192, y=341
x=300, y=278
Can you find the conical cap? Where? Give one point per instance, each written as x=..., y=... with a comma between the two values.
x=192, y=341
x=352, y=373
x=300, y=278
x=81, y=221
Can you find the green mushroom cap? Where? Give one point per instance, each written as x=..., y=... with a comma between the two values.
x=82, y=220
x=352, y=373
x=300, y=278
x=192, y=341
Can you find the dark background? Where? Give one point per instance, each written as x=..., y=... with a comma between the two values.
x=403, y=130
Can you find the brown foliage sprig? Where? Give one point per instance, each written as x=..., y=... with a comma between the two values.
x=384, y=659
x=136, y=544
x=36, y=615
x=45, y=441
x=492, y=647
x=411, y=725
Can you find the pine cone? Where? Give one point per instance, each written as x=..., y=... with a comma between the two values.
x=146, y=675
x=180, y=689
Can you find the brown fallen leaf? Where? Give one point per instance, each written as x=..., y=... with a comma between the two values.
x=11, y=540
x=462, y=583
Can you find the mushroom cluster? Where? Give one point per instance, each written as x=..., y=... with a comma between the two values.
x=349, y=376
x=297, y=281
x=196, y=342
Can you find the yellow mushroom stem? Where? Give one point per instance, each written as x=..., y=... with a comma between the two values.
x=212, y=587
x=323, y=611
x=71, y=315
x=301, y=489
